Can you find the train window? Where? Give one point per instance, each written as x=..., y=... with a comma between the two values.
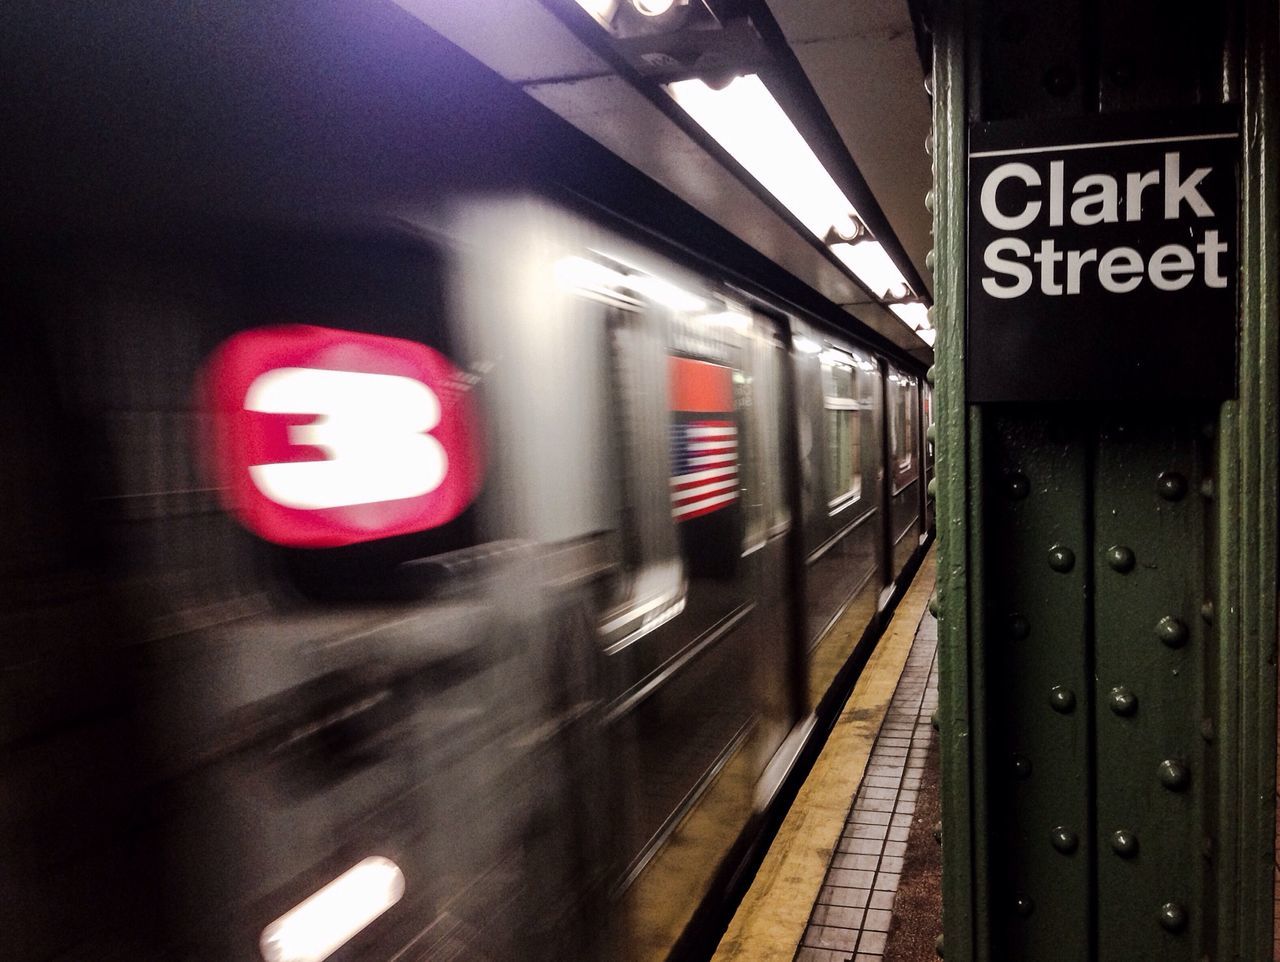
x=902, y=426
x=706, y=456
x=844, y=427
x=761, y=403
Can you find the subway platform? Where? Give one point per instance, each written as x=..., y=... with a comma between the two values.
x=853, y=874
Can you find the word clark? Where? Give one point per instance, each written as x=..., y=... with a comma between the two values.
x=1015, y=197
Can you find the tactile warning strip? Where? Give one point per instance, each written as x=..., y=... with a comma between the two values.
x=850, y=919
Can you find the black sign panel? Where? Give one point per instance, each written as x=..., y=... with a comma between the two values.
x=1103, y=259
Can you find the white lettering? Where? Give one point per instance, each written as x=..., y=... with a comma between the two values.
x=1169, y=258
x=1115, y=265
x=1105, y=197
x=1048, y=258
x=1176, y=191
x=372, y=427
x=1211, y=247
x=1135, y=184
x=1075, y=261
x=993, y=261
x=1024, y=172
x=1055, y=193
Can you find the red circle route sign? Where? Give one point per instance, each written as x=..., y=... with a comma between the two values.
x=323, y=437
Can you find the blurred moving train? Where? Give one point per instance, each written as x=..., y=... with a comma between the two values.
x=452, y=581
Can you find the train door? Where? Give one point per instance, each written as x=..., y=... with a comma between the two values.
x=837, y=388
x=903, y=416
x=682, y=720
x=767, y=550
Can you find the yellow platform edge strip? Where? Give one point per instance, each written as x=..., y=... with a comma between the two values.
x=773, y=915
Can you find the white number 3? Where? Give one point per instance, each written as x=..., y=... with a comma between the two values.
x=373, y=427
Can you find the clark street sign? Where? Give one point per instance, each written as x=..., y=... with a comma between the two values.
x=1102, y=258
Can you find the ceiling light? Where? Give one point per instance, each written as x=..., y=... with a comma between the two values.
x=321, y=924
x=601, y=10
x=872, y=265
x=913, y=313
x=651, y=8
x=847, y=229
x=745, y=120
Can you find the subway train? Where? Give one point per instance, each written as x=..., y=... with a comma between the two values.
x=409, y=580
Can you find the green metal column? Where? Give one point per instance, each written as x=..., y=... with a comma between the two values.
x=1107, y=574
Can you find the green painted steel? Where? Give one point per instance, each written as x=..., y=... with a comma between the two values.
x=964, y=848
x=1107, y=578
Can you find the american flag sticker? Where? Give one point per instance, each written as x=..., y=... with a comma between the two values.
x=704, y=439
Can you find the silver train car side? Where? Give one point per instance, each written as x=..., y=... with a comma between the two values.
x=461, y=586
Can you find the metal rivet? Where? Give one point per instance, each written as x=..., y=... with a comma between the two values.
x=932, y=490
x=1171, y=631
x=1120, y=558
x=937, y=832
x=1171, y=486
x=1206, y=729
x=1124, y=843
x=1206, y=612
x=1064, y=840
x=1173, y=917
x=1206, y=488
x=929, y=261
x=1061, y=559
x=928, y=201
x=1022, y=766
x=928, y=83
x=1017, y=486
x=929, y=374
x=933, y=720
x=933, y=605
x=1062, y=700
x=1174, y=775
x=1019, y=627
x=1123, y=701
x=1024, y=906
x=937, y=946
x=931, y=432
x=928, y=143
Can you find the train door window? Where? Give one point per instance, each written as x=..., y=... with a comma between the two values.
x=760, y=398
x=844, y=427
x=903, y=402
x=771, y=356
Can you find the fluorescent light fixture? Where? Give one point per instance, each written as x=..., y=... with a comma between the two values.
x=652, y=8
x=745, y=120
x=601, y=10
x=868, y=260
x=321, y=924
x=806, y=346
x=928, y=335
x=914, y=314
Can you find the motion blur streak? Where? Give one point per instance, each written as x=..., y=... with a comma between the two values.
x=317, y=927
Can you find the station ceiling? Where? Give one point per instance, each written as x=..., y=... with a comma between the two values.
x=859, y=58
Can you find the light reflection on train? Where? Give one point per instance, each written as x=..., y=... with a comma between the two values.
x=392, y=597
